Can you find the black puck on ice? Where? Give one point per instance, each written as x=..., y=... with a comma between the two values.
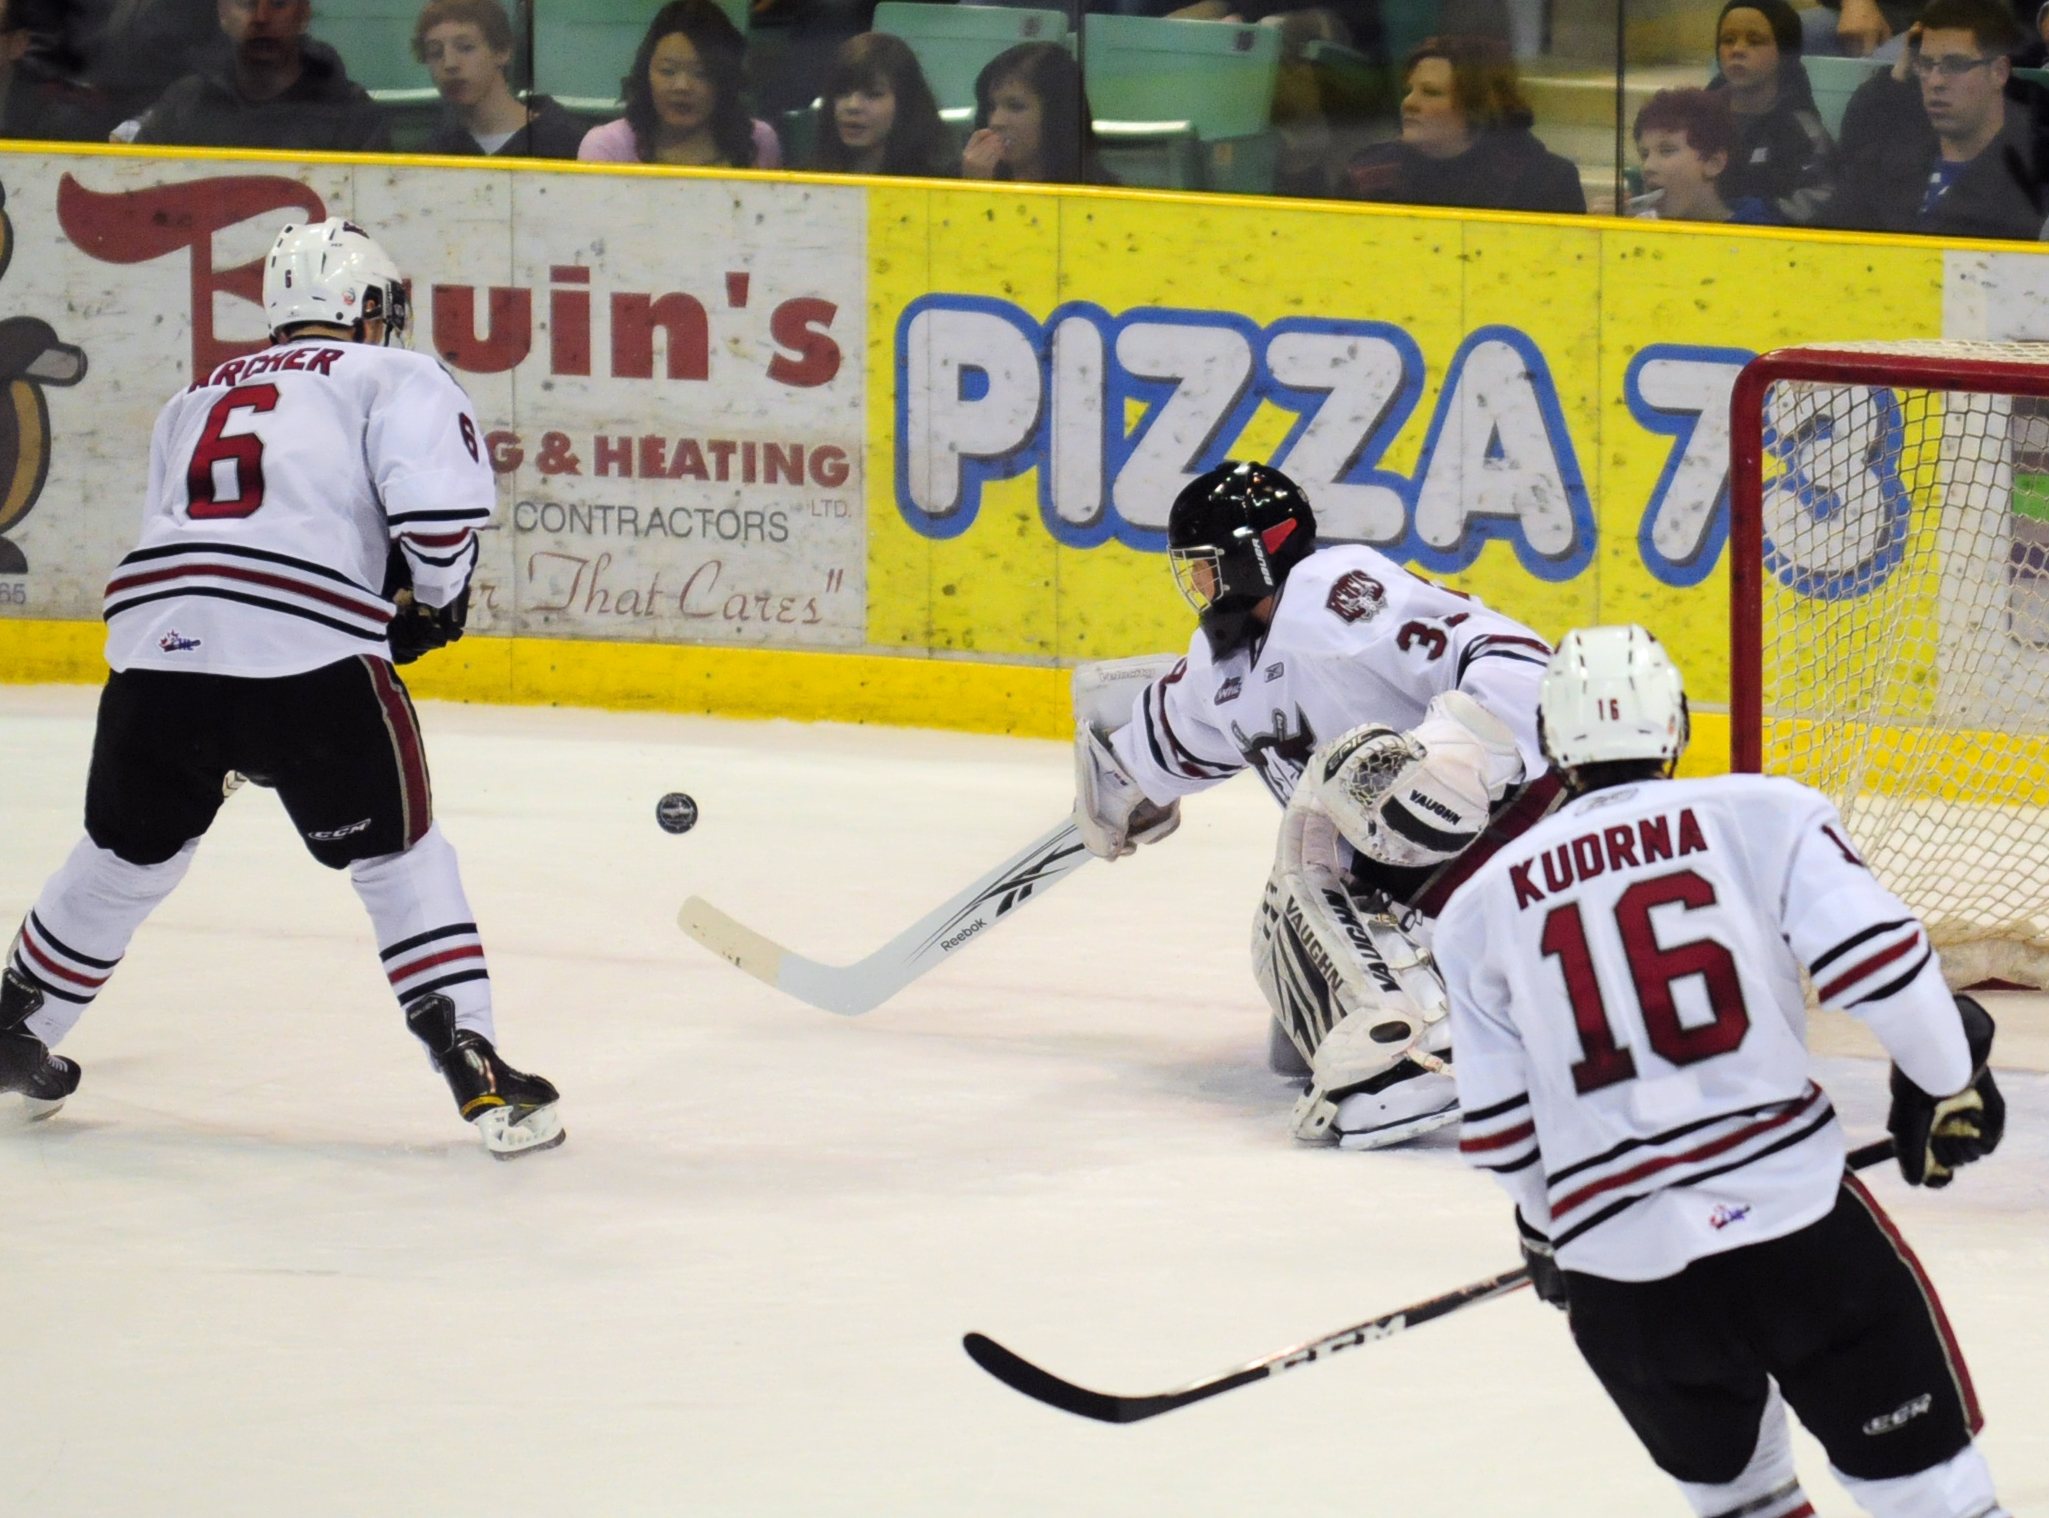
x=676, y=812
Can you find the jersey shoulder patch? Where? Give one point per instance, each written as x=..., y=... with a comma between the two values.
x=1356, y=596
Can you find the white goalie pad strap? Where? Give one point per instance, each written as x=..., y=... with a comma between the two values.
x=1106, y=692
x=1421, y=797
x=1111, y=813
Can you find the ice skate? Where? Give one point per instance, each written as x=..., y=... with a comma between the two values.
x=26, y=1064
x=514, y=1112
x=1397, y=1105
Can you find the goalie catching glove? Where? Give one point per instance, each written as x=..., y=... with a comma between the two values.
x=1418, y=798
x=1936, y=1136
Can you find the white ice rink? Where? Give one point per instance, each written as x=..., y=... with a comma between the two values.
x=258, y=1267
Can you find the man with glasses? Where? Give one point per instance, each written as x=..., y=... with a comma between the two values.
x=1934, y=145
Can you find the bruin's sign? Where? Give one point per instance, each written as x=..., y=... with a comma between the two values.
x=678, y=426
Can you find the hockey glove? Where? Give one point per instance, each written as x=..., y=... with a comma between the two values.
x=1935, y=1136
x=418, y=629
x=1545, y=1275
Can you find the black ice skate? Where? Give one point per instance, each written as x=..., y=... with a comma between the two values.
x=26, y=1065
x=514, y=1112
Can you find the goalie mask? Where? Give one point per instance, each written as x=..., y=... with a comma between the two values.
x=1611, y=694
x=1232, y=536
x=334, y=273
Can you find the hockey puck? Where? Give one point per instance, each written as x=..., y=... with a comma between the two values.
x=676, y=812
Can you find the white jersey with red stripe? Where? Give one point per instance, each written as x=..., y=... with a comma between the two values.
x=1630, y=1025
x=1355, y=638
x=277, y=486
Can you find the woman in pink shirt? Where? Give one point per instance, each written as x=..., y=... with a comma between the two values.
x=684, y=100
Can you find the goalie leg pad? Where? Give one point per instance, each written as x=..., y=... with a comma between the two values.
x=1359, y=998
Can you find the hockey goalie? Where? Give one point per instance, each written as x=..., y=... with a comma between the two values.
x=1396, y=723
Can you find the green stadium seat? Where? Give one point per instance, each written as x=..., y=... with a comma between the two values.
x=375, y=39
x=1156, y=155
x=1834, y=81
x=583, y=48
x=954, y=42
x=1217, y=76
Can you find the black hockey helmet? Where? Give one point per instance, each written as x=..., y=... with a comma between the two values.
x=1232, y=536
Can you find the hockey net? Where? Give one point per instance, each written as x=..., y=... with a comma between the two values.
x=1889, y=552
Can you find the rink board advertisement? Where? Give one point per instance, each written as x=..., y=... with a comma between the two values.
x=737, y=416
x=673, y=403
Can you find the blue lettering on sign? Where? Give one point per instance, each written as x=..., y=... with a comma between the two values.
x=1838, y=450
x=985, y=393
x=1682, y=392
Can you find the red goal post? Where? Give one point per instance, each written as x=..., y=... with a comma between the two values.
x=1889, y=640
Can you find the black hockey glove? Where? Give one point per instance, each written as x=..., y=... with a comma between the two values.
x=1935, y=1135
x=417, y=629
x=1542, y=1260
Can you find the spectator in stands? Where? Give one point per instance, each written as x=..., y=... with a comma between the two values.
x=877, y=115
x=1466, y=138
x=1032, y=120
x=1950, y=156
x=686, y=98
x=275, y=87
x=1781, y=154
x=31, y=99
x=467, y=47
x=1684, y=138
x=92, y=64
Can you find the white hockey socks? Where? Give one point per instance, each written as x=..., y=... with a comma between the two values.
x=426, y=933
x=79, y=928
x=1768, y=1486
x=1960, y=1487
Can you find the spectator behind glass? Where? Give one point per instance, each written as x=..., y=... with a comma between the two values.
x=1684, y=138
x=1932, y=144
x=686, y=98
x=1782, y=154
x=97, y=63
x=1032, y=120
x=1466, y=138
x=275, y=87
x=467, y=47
x=877, y=115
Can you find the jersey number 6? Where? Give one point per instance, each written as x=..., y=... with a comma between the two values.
x=244, y=450
x=1653, y=970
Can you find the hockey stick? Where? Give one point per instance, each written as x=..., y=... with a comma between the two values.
x=1019, y=1374
x=866, y=984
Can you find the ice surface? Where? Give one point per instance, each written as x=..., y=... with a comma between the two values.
x=257, y=1267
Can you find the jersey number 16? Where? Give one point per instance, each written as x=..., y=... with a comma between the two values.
x=1653, y=971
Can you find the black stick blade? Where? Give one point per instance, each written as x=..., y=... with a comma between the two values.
x=1020, y=1375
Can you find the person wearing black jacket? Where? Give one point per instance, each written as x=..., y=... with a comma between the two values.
x=1950, y=156
x=274, y=88
x=1782, y=153
x=467, y=48
x=1466, y=139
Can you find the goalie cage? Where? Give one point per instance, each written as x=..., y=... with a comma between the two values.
x=1889, y=552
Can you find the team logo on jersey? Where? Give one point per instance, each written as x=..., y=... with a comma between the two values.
x=175, y=642
x=1279, y=754
x=1228, y=690
x=1357, y=596
x=30, y=358
x=1724, y=1215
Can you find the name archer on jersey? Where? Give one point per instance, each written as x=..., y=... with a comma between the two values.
x=294, y=356
x=1650, y=840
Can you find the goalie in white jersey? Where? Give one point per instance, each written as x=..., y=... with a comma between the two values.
x=1412, y=710
x=1627, y=1005
x=312, y=518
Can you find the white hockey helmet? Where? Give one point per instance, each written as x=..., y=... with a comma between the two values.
x=1611, y=693
x=333, y=272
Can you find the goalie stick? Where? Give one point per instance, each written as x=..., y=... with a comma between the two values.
x=1019, y=1374
x=866, y=984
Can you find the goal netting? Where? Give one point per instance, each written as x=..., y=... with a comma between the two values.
x=1889, y=551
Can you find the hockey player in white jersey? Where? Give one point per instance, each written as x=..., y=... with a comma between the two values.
x=311, y=519
x=1412, y=711
x=1627, y=1005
